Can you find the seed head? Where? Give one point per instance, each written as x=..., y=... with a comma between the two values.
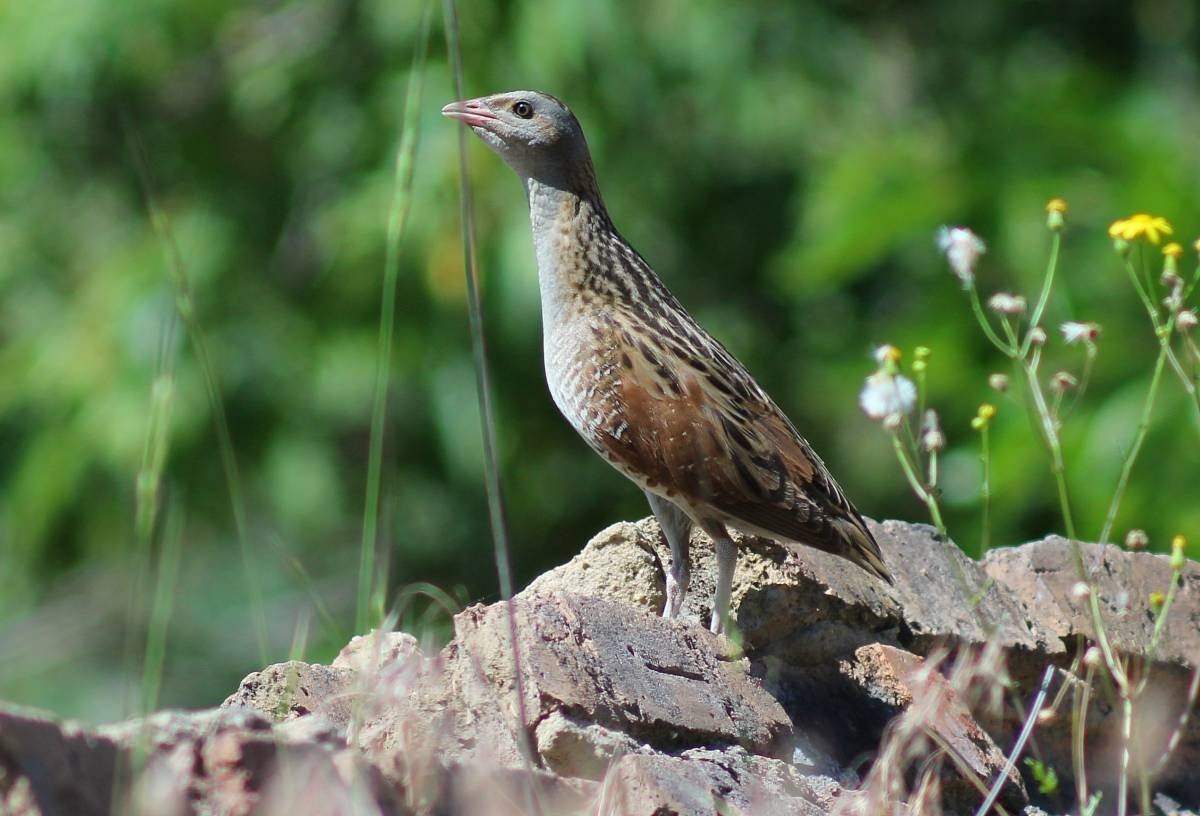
x=962, y=249
x=1080, y=592
x=1006, y=304
x=1186, y=320
x=1037, y=336
x=998, y=382
x=932, y=438
x=1062, y=382
x=1093, y=657
x=1137, y=540
x=1074, y=332
x=886, y=395
x=1046, y=716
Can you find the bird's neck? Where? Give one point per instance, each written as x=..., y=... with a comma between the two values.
x=570, y=228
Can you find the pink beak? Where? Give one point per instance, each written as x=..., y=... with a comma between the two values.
x=472, y=112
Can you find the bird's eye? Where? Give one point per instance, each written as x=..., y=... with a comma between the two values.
x=523, y=109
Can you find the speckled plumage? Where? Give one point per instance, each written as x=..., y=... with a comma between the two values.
x=644, y=385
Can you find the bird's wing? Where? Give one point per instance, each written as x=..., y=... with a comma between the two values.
x=699, y=424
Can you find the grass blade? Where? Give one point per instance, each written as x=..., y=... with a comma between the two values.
x=406, y=152
x=185, y=304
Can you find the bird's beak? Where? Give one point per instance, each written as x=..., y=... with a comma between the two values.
x=472, y=112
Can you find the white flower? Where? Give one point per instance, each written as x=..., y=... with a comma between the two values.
x=1076, y=332
x=1081, y=591
x=962, y=248
x=1006, y=304
x=887, y=397
x=932, y=438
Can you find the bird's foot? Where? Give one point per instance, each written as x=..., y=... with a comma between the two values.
x=676, y=592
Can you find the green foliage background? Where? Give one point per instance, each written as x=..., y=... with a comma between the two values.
x=782, y=165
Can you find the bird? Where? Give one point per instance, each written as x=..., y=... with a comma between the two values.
x=648, y=389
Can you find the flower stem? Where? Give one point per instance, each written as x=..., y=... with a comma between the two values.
x=914, y=481
x=981, y=316
x=1138, y=439
x=1047, y=284
x=986, y=490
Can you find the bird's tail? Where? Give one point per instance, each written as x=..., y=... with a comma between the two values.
x=863, y=549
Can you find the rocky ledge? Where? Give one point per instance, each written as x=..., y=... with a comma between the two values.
x=835, y=695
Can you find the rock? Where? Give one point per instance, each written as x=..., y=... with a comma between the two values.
x=48, y=768
x=606, y=667
x=707, y=783
x=583, y=750
x=621, y=561
x=1042, y=573
x=285, y=691
x=377, y=650
x=831, y=695
x=937, y=715
x=806, y=606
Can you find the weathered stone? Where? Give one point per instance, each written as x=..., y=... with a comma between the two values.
x=707, y=783
x=48, y=767
x=807, y=606
x=573, y=749
x=662, y=682
x=897, y=681
x=284, y=691
x=377, y=650
x=620, y=561
x=1041, y=575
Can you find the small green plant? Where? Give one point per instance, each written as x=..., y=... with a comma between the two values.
x=1043, y=775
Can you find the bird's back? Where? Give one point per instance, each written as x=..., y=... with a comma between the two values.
x=667, y=405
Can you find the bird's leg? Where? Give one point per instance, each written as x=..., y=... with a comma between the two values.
x=677, y=527
x=726, y=553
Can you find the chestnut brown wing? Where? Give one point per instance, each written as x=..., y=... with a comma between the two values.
x=713, y=437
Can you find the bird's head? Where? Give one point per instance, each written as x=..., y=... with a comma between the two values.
x=533, y=132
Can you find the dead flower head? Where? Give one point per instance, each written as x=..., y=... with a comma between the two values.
x=1074, y=332
x=962, y=249
x=1006, y=304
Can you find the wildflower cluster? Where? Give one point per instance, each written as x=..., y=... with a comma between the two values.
x=1013, y=324
x=890, y=398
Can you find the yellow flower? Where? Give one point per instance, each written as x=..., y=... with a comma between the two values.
x=1135, y=226
x=1056, y=205
x=987, y=411
x=1173, y=250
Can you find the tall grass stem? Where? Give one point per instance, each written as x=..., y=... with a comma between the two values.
x=401, y=204
x=186, y=306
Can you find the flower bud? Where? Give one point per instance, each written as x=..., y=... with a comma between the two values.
x=918, y=366
x=987, y=411
x=1093, y=658
x=1121, y=246
x=1178, y=553
x=1157, y=599
x=1137, y=540
x=1080, y=591
x=998, y=382
x=1062, y=382
x=922, y=353
x=1056, y=212
x=1173, y=250
x=1005, y=303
